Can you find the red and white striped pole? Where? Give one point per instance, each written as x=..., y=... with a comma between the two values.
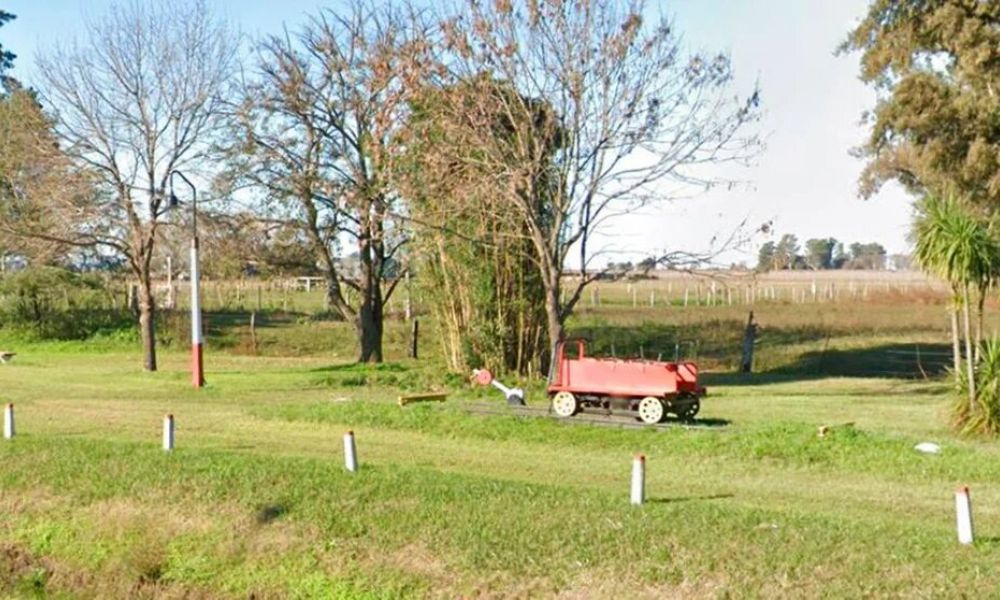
x=197, y=369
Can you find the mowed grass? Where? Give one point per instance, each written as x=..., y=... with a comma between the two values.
x=255, y=501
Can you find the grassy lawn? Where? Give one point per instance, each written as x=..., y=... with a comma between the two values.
x=448, y=504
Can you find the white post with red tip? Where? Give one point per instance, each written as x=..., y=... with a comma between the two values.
x=8, y=421
x=963, y=513
x=350, y=452
x=638, y=479
x=168, y=433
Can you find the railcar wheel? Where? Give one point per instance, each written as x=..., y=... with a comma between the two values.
x=565, y=404
x=651, y=410
x=687, y=412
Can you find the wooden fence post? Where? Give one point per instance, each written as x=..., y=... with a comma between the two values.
x=414, y=335
x=749, y=336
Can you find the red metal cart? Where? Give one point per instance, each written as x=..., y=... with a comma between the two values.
x=652, y=389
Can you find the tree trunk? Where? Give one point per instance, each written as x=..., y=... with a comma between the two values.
x=979, y=323
x=970, y=370
x=956, y=345
x=554, y=323
x=147, y=322
x=369, y=324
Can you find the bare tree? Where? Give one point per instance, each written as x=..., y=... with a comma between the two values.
x=138, y=97
x=610, y=115
x=316, y=133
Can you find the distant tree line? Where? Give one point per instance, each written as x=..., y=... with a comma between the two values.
x=821, y=254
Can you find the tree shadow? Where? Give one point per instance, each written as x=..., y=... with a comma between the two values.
x=356, y=367
x=715, y=340
x=902, y=361
x=897, y=361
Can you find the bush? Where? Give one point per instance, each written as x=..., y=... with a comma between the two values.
x=48, y=303
x=983, y=417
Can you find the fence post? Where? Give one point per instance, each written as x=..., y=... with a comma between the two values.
x=408, y=306
x=168, y=432
x=414, y=335
x=963, y=514
x=8, y=421
x=253, y=331
x=350, y=452
x=749, y=336
x=638, y=490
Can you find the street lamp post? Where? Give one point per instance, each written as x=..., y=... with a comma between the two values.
x=197, y=369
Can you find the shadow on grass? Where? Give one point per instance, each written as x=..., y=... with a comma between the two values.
x=904, y=361
x=712, y=340
x=679, y=499
x=698, y=422
x=269, y=513
x=356, y=367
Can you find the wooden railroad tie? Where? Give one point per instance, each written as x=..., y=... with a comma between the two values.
x=427, y=397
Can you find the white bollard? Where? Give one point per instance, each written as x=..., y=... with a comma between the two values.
x=350, y=452
x=168, y=433
x=638, y=480
x=963, y=512
x=8, y=421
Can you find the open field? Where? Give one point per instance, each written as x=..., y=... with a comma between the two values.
x=255, y=500
x=730, y=288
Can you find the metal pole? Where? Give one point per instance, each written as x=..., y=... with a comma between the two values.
x=197, y=341
x=197, y=367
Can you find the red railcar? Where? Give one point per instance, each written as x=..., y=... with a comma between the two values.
x=647, y=387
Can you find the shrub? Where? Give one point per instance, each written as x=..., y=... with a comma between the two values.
x=983, y=417
x=48, y=303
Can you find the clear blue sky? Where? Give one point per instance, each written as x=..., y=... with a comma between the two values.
x=805, y=181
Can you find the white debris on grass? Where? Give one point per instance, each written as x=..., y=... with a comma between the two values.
x=928, y=448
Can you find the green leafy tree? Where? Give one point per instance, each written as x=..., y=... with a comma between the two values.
x=765, y=257
x=474, y=251
x=840, y=256
x=819, y=253
x=786, y=252
x=935, y=65
x=869, y=256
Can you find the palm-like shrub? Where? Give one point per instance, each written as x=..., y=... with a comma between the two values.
x=984, y=417
x=953, y=242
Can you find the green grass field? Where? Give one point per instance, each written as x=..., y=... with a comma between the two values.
x=255, y=501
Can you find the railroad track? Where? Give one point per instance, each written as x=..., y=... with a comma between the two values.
x=586, y=417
